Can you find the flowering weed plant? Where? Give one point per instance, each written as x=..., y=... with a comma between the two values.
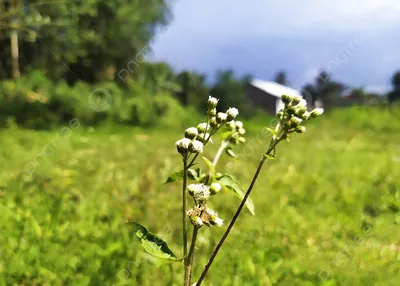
x=208, y=184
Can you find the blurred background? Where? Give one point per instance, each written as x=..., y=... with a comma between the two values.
x=94, y=94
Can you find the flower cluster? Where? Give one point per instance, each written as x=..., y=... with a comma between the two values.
x=202, y=215
x=197, y=137
x=236, y=132
x=295, y=113
x=185, y=146
x=220, y=118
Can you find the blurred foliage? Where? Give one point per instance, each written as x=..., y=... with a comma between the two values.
x=327, y=209
x=33, y=101
x=78, y=39
x=394, y=95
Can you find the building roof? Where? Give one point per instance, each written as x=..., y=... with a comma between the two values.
x=274, y=88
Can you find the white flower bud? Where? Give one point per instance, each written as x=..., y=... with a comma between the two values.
x=300, y=129
x=204, y=137
x=242, y=131
x=222, y=117
x=183, y=145
x=213, y=122
x=303, y=102
x=202, y=127
x=212, y=102
x=316, y=112
x=212, y=112
x=295, y=121
x=305, y=115
x=196, y=146
x=191, y=133
x=215, y=188
x=239, y=124
x=196, y=221
x=296, y=100
x=231, y=124
x=286, y=98
x=232, y=113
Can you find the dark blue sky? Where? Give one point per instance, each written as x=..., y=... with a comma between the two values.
x=358, y=41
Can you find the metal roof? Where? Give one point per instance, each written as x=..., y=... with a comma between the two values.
x=274, y=88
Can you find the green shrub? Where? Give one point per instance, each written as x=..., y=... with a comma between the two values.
x=35, y=102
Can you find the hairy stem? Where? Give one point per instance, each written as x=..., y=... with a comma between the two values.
x=271, y=147
x=184, y=207
x=190, y=258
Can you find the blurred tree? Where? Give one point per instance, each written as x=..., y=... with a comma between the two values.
x=156, y=77
x=194, y=90
x=281, y=78
x=84, y=38
x=395, y=93
x=231, y=91
x=325, y=89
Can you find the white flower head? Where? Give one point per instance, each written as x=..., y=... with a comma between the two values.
x=183, y=145
x=212, y=102
x=217, y=221
x=242, y=131
x=222, y=117
x=232, y=113
x=199, y=192
x=191, y=133
x=196, y=146
x=215, y=188
x=213, y=217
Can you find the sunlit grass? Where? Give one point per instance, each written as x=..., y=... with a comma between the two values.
x=64, y=225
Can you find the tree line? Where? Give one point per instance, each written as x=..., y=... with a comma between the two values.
x=53, y=45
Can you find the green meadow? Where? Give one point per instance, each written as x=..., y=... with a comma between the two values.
x=327, y=209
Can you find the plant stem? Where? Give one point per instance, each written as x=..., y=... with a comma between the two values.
x=221, y=149
x=188, y=274
x=271, y=147
x=184, y=202
x=208, y=139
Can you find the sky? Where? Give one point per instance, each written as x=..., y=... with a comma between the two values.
x=357, y=41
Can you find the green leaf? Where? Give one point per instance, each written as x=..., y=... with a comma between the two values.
x=227, y=182
x=152, y=243
x=177, y=176
x=225, y=135
x=193, y=175
x=269, y=156
x=272, y=131
x=210, y=166
x=230, y=152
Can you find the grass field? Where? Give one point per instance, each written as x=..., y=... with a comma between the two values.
x=327, y=209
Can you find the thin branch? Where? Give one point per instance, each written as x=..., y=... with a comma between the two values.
x=271, y=147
